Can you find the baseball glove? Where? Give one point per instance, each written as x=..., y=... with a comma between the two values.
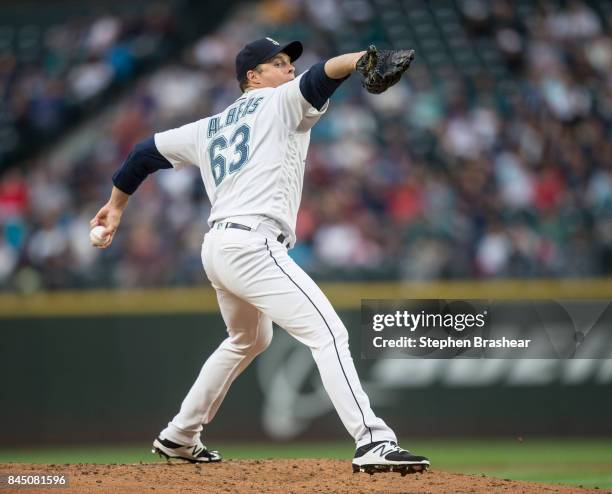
x=383, y=68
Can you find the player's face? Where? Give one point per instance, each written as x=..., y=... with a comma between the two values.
x=274, y=72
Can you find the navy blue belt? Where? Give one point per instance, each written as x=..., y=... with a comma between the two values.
x=281, y=238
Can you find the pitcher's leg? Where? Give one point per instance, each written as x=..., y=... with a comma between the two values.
x=290, y=298
x=250, y=333
x=330, y=350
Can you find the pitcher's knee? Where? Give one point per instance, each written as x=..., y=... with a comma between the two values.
x=336, y=340
x=337, y=334
x=251, y=343
x=262, y=341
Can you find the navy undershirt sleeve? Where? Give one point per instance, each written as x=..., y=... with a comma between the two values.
x=142, y=161
x=316, y=86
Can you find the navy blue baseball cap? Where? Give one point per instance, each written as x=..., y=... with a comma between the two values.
x=261, y=50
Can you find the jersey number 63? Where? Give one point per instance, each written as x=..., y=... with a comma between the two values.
x=218, y=150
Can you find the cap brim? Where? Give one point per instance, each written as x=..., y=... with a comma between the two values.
x=293, y=49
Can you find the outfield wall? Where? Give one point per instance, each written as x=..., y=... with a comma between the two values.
x=112, y=366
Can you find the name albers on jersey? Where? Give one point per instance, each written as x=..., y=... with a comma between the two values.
x=233, y=115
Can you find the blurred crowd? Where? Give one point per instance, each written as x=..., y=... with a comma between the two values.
x=446, y=175
x=49, y=74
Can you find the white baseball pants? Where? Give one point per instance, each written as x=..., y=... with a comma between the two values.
x=256, y=283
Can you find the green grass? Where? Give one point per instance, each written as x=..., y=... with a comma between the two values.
x=586, y=462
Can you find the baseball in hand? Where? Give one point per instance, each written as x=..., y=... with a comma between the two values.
x=96, y=235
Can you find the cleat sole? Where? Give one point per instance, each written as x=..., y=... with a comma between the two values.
x=160, y=453
x=402, y=469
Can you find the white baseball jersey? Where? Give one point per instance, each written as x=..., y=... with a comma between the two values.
x=251, y=155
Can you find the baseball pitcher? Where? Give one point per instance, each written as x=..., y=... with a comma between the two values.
x=251, y=158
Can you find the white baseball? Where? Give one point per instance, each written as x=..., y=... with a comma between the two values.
x=96, y=235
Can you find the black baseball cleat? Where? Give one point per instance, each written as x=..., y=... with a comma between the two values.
x=387, y=456
x=194, y=453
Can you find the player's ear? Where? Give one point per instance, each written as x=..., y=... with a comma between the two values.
x=251, y=76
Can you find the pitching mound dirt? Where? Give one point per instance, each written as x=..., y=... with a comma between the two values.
x=268, y=476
